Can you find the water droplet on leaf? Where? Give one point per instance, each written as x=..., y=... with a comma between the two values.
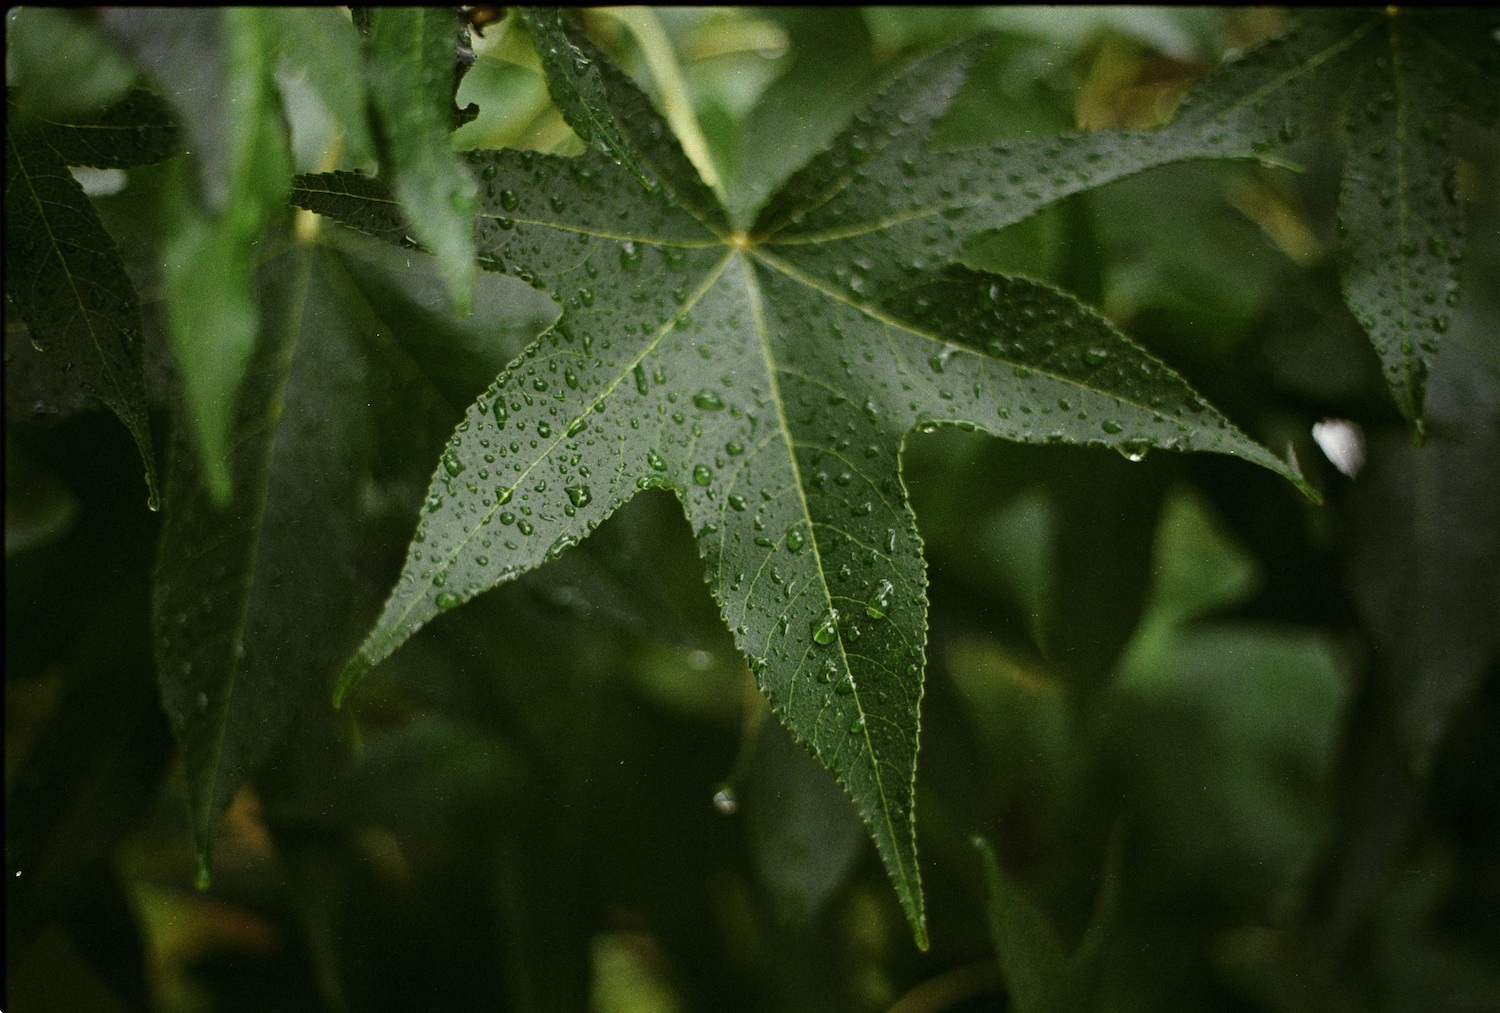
x=827, y=628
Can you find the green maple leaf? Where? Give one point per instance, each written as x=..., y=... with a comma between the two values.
x=768, y=377
x=1405, y=85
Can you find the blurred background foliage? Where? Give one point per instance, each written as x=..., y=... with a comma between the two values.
x=1237, y=751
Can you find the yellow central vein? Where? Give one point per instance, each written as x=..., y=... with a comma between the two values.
x=685, y=244
x=762, y=332
x=1398, y=83
x=906, y=328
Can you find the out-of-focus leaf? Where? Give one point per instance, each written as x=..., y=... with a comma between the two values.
x=804, y=840
x=38, y=507
x=1256, y=704
x=1041, y=975
x=322, y=44
x=576, y=79
x=1425, y=560
x=253, y=604
x=210, y=260
x=65, y=276
x=243, y=164
x=60, y=65
x=410, y=75
x=186, y=52
x=88, y=778
x=1198, y=570
x=783, y=389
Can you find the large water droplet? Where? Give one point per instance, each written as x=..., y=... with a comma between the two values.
x=630, y=257
x=827, y=628
x=880, y=602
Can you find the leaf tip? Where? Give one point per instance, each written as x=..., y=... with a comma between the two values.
x=203, y=876
x=353, y=672
x=1291, y=469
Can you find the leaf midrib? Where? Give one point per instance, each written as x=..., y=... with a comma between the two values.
x=906, y=327
x=374, y=653
x=876, y=225
x=1403, y=203
x=772, y=371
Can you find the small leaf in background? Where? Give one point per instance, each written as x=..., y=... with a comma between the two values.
x=244, y=164
x=409, y=70
x=1400, y=208
x=1041, y=975
x=576, y=80
x=1261, y=700
x=65, y=276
